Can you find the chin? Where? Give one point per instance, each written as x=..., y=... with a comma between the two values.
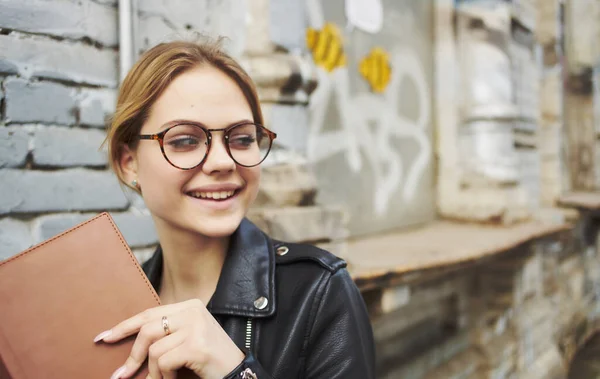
x=217, y=226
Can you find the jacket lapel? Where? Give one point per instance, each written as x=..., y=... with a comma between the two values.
x=248, y=275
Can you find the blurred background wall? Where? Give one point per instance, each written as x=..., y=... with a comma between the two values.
x=448, y=150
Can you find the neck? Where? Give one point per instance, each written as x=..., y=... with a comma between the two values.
x=192, y=264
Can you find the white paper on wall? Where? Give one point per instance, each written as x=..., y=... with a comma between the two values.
x=489, y=87
x=487, y=151
x=366, y=15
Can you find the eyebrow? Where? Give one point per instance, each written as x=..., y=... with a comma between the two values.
x=198, y=123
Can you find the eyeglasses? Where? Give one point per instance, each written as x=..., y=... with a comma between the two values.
x=186, y=146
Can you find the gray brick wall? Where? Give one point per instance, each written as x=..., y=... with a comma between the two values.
x=58, y=80
x=39, y=102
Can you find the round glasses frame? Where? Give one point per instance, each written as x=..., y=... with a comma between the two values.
x=160, y=138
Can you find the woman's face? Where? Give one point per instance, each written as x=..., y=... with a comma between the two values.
x=192, y=200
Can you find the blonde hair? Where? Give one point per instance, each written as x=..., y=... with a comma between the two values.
x=151, y=75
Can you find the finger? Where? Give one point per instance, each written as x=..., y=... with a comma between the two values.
x=171, y=361
x=159, y=348
x=149, y=333
x=133, y=324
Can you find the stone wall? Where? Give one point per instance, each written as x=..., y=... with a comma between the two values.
x=520, y=314
x=59, y=65
x=500, y=159
x=58, y=74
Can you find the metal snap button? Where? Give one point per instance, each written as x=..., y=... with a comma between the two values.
x=282, y=250
x=261, y=303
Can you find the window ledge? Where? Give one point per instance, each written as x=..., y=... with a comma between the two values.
x=581, y=200
x=438, y=247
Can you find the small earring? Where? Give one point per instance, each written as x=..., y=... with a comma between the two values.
x=134, y=183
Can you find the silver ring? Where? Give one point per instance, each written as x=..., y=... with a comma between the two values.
x=165, y=325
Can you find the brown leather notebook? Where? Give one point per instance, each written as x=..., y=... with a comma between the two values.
x=57, y=296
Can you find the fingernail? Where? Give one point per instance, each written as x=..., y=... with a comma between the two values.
x=102, y=335
x=120, y=371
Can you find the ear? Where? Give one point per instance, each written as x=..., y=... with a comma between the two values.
x=128, y=164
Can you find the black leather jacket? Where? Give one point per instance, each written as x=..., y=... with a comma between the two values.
x=293, y=309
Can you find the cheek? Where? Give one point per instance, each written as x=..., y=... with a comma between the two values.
x=252, y=178
x=156, y=176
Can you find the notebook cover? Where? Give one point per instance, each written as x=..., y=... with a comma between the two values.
x=57, y=296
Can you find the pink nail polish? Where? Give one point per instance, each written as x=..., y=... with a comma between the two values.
x=120, y=371
x=102, y=335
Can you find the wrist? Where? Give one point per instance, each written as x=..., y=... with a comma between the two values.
x=245, y=370
x=219, y=365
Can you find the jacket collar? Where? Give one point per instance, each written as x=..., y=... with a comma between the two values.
x=247, y=275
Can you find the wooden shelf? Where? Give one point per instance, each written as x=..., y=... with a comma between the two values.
x=440, y=246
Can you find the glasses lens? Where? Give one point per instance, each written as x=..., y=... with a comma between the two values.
x=249, y=144
x=185, y=145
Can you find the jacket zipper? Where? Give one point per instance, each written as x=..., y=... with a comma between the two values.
x=248, y=343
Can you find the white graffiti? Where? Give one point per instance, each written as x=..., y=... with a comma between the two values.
x=371, y=122
x=366, y=15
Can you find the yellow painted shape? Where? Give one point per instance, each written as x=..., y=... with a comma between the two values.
x=326, y=46
x=376, y=69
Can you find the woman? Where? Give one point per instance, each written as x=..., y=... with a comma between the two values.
x=187, y=136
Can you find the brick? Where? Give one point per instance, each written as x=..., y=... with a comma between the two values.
x=39, y=57
x=301, y=224
x=581, y=18
x=14, y=147
x=525, y=11
x=138, y=229
x=548, y=365
x=548, y=25
x=14, y=237
x=39, y=102
x=551, y=94
x=394, y=298
x=286, y=185
x=287, y=24
x=96, y=105
x=70, y=19
x=106, y=2
x=282, y=116
x=461, y=366
x=8, y=68
x=25, y=191
x=159, y=21
x=65, y=147
x=144, y=253
x=550, y=139
x=532, y=278
x=46, y=227
x=597, y=166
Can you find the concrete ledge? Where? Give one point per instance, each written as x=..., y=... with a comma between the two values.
x=581, y=200
x=389, y=259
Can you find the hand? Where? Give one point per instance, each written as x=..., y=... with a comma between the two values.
x=196, y=342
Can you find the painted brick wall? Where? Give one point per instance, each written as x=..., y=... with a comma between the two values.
x=58, y=80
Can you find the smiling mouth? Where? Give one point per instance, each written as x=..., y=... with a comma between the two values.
x=213, y=195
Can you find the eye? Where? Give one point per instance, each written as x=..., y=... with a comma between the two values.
x=184, y=138
x=183, y=141
x=242, y=140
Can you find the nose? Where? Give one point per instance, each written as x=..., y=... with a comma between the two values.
x=218, y=159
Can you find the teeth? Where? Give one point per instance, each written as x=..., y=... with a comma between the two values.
x=213, y=195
